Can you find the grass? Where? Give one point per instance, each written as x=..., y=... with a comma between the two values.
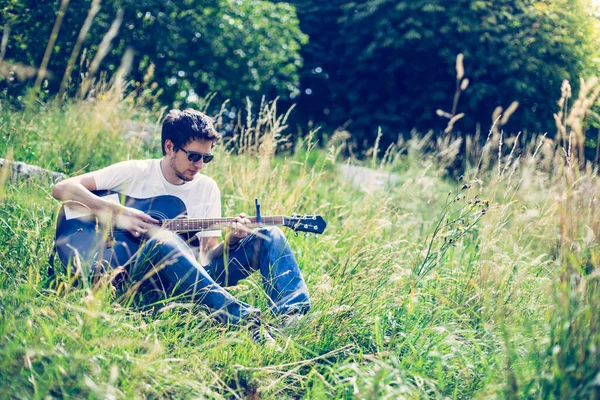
x=417, y=292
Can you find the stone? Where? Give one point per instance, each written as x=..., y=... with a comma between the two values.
x=20, y=171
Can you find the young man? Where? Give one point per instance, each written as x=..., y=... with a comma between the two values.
x=187, y=139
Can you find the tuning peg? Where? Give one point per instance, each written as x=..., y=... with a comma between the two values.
x=307, y=235
x=296, y=233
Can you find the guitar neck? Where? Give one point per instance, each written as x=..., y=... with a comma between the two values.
x=203, y=224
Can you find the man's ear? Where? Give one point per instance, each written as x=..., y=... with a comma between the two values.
x=169, y=146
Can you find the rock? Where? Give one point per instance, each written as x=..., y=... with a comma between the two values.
x=20, y=171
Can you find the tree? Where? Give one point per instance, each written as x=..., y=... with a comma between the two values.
x=236, y=48
x=391, y=63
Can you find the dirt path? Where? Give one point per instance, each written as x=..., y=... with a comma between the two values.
x=367, y=179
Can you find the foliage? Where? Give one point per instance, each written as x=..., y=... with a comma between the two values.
x=391, y=64
x=236, y=48
x=371, y=64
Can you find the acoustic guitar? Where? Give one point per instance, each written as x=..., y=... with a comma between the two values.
x=82, y=239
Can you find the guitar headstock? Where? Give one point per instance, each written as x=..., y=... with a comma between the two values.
x=305, y=223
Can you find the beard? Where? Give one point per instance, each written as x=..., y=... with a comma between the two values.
x=181, y=175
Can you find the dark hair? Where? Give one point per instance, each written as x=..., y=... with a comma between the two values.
x=181, y=127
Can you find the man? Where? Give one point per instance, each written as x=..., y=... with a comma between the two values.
x=165, y=259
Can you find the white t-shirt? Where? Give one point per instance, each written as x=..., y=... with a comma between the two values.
x=144, y=178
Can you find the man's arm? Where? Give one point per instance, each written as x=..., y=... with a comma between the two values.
x=77, y=190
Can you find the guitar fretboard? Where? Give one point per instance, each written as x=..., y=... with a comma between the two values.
x=203, y=224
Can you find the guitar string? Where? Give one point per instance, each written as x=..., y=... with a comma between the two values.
x=206, y=223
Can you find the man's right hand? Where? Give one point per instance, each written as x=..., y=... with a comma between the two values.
x=135, y=221
x=79, y=190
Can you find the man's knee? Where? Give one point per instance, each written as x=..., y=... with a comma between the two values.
x=272, y=233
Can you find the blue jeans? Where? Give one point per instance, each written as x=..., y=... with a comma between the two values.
x=167, y=265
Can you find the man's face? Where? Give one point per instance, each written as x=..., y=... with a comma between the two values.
x=179, y=161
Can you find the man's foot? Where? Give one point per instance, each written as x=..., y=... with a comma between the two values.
x=291, y=318
x=259, y=333
x=291, y=321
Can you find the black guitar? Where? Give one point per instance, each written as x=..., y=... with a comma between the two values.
x=83, y=239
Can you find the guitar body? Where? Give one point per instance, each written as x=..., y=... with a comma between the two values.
x=81, y=239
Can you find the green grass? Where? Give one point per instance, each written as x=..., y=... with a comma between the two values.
x=505, y=307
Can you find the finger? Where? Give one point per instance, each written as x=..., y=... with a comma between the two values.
x=135, y=213
x=240, y=228
x=243, y=215
x=149, y=219
x=244, y=222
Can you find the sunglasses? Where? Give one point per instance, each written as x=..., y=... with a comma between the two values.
x=195, y=157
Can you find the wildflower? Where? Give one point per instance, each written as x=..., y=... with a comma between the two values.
x=460, y=69
x=464, y=84
x=565, y=89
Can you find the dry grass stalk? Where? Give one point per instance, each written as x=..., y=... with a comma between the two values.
x=5, y=171
x=461, y=85
x=261, y=135
x=118, y=82
x=4, y=43
x=572, y=124
x=94, y=8
x=103, y=49
x=44, y=66
x=375, y=149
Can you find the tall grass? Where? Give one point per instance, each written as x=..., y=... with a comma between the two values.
x=416, y=293
x=435, y=287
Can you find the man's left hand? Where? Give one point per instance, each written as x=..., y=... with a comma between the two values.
x=239, y=230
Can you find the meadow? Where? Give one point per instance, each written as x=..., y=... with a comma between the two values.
x=484, y=285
